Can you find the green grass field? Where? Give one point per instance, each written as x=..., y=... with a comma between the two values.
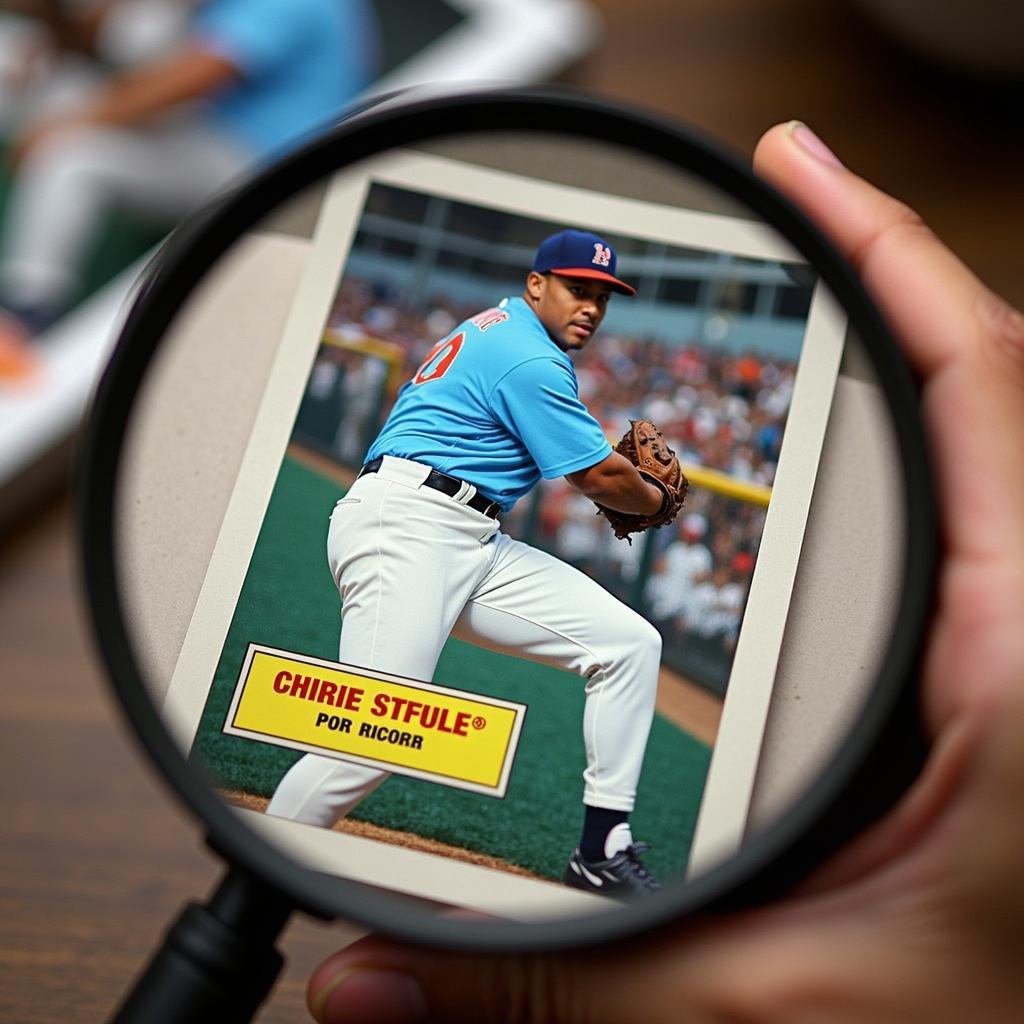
x=289, y=601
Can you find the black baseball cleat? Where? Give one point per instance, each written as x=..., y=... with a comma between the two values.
x=621, y=877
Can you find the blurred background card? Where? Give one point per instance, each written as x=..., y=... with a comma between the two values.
x=103, y=103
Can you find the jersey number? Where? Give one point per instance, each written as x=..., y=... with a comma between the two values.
x=439, y=359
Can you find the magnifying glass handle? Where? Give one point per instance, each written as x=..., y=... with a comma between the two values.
x=217, y=962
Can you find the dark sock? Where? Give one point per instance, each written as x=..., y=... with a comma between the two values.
x=597, y=823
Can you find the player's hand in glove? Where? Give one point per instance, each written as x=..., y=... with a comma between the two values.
x=646, y=448
x=922, y=919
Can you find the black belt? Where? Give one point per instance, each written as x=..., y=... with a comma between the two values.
x=446, y=484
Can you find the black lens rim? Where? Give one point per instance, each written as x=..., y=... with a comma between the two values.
x=776, y=857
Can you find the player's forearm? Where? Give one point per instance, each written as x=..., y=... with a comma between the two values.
x=139, y=95
x=616, y=483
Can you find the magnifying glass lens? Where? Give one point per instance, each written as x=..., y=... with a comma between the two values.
x=365, y=557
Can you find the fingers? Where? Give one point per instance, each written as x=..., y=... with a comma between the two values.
x=773, y=966
x=374, y=982
x=969, y=347
x=967, y=343
x=926, y=293
x=939, y=310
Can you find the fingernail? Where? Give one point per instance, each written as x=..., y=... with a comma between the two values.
x=803, y=135
x=364, y=995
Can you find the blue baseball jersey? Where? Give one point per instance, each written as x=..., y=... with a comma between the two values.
x=495, y=403
x=300, y=63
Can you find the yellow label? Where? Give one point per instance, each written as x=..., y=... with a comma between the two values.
x=431, y=732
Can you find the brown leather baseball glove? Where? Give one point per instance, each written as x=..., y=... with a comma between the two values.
x=645, y=446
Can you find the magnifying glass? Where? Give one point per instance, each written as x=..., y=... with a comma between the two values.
x=347, y=572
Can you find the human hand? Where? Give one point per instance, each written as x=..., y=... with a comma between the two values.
x=922, y=918
x=136, y=97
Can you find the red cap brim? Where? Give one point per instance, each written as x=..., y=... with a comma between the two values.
x=596, y=275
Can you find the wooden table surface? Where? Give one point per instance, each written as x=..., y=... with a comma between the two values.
x=95, y=856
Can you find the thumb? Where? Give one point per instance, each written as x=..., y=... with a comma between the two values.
x=377, y=982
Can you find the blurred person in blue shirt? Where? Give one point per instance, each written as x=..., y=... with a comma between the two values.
x=248, y=80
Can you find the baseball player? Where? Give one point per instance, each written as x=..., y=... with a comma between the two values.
x=417, y=551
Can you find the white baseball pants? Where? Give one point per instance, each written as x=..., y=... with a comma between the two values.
x=414, y=566
x=71, y=180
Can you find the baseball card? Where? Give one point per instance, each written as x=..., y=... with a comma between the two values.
x=494, y=612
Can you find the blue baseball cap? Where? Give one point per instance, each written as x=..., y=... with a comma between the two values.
x=579, y=254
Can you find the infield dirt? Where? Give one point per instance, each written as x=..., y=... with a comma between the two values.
x=409, y=840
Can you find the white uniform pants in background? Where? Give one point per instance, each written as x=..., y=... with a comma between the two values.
x=68, y=182
x=414, y=566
